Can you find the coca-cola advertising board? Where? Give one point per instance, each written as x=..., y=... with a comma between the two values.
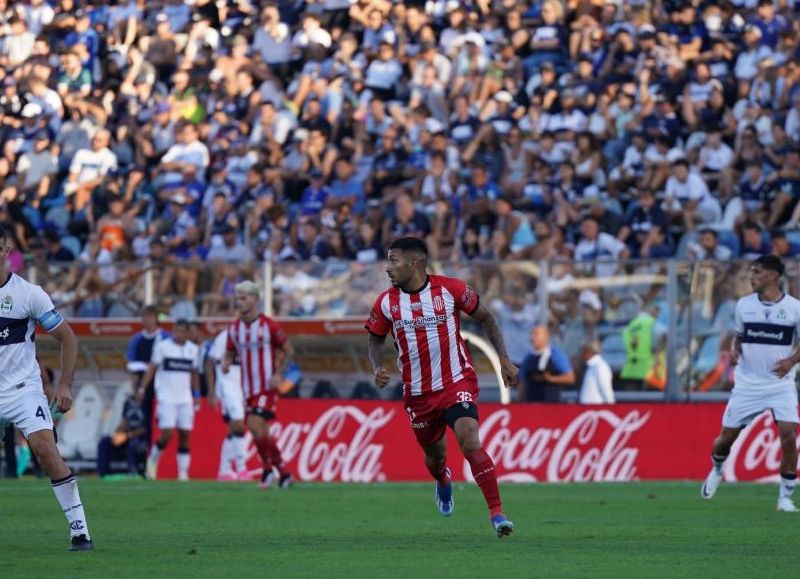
x=349, y=441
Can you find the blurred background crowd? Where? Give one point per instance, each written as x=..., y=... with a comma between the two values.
x=180, y=132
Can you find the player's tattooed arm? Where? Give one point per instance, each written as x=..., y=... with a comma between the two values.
x=486, y=318
x=375, y=350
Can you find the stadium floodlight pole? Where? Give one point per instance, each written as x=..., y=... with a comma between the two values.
x=672, y=392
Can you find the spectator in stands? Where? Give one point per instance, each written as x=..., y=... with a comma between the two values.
x=545, y=371
x=597, y=386
x=708, y=247
x=642, y=338
x=687, y=198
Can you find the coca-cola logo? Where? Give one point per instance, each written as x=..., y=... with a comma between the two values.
x=593, y=447
x=324, y=453
x=756, y=454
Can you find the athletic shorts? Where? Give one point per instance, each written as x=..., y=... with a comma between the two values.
x=232, y=400
x=28, y=410
x=745, y=405
x=175, y=415
x=264, y=405
x=427, y=411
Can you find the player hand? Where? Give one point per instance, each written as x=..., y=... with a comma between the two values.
x=510, y=373
x=276, y=381
x=63, y=397
x=226, y=366
x=381, y=376
x=783, y=367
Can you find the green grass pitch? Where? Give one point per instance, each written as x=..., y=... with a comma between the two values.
x=203, y=529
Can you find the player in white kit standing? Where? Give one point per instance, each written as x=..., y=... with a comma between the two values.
x=22, y=398
x=177, y=383
x=226, y=389
x=767, y=323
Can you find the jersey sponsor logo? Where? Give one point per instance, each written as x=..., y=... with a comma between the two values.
x=768, y=334
x=424, y=322
x=177, y=365
x=12, y=331
x=7, y=305
x=373, y=317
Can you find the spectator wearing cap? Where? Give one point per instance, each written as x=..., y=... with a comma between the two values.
x=646, y=216
x=36, y=170
x=88, y=169
x=687, y=198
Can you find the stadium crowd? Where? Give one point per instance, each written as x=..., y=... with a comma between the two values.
x=182, y=132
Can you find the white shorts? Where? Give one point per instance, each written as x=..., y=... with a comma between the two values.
x=29, y=411
x=178, y=415
x=745, y=405
x=232, y=399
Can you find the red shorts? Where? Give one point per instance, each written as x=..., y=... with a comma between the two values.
x=427, y=411
x=264, y=405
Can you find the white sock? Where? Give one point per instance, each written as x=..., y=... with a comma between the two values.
x=238, y=444
x=66, y=491
x=787, y=487
x=155, y=453
x=183, y=464
x=225, y=456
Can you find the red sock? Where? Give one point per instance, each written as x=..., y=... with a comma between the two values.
x=483, y=472
x=275, y=456
x=439, y=473
x=263, y=445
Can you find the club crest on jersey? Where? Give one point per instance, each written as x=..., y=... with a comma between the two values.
x=438, y=304
x=468, y=296
x=7, y=305
x=782, y=315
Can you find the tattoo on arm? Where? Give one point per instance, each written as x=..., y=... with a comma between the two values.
x=485, y=317
x=375, y=350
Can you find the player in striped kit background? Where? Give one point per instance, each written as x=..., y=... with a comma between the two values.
x=264, y=353
x=440, y=386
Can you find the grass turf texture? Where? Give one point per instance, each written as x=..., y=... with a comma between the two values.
x=204, y=529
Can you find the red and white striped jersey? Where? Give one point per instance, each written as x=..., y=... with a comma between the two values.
x=255, y=343
x=426, y=330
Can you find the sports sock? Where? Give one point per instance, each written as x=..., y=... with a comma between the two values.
x=264, y=449
x=484, y=474
x=183, y=462
x=275, y=455
x=788, y=482
x=718, y=460
x=239, y=451
x=66, y=491
x=225, y=456
x=439, y=473
x=155, y=451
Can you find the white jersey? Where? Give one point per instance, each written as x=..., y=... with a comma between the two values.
x=767, y=333
x=22, y=305
x=175, y=365
x=234, y=376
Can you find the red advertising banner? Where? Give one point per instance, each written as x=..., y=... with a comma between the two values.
x=354, y=441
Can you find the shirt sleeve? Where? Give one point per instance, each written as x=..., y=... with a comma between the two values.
x=560, y=362
x=467, y=299
x=43, y=311
x=605, y=379
x=277, y=335
x=377, y=323
x=218, y=347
